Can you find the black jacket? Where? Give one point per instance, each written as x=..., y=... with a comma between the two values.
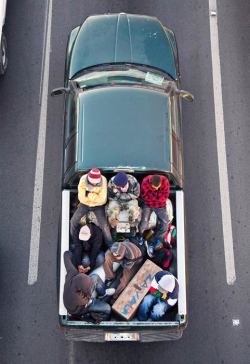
x=92, y=246
x=78, y=288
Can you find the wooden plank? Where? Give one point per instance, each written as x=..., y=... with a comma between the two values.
x=129, y=300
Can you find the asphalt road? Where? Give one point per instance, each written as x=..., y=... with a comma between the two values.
x=29, y=331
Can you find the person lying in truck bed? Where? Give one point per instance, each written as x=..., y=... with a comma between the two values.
x=130, y=257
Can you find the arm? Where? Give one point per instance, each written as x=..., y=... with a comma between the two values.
x=145, y=188
x=96, y=241
x=113, y=193
x=165, y=188
x=70, y=268
x=99, y=195
x=77, y=254
x=82, y=190
x=135, y=193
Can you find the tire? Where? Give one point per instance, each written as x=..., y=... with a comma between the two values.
x=3, y=55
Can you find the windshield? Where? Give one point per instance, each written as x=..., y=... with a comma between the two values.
x=113, y=75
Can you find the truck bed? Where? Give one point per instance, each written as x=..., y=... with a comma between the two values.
x=170, y=327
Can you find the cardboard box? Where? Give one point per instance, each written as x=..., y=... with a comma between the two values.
x=130, y=299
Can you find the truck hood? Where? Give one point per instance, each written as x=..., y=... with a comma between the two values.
x=119, y=38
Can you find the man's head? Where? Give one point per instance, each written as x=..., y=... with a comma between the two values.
x=156, y=181
x=94, y=176
x=84, y=233
x=166, y=283
x=121, y=180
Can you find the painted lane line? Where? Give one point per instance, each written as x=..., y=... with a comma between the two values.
x=71, y=352
x=39, y=174
x=45, y=27
x=236, y=322
x=221, y=147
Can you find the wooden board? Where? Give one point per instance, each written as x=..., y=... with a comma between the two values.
x=129, y=300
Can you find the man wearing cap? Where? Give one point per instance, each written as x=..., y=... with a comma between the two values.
x=163, y=294
x=155, y=191
x=79, y=289
x=87, y=252
x=92, y=194
x=130, y=257
x=123, y=192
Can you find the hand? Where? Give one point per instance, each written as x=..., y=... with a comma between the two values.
x=114, y=222
x=81, y=269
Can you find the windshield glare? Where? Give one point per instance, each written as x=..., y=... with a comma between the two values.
x=126, y=76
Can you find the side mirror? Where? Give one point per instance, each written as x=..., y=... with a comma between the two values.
x=186, y=95
x=59, y=91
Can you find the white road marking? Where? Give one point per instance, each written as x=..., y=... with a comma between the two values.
x=45, y=27
x=71, y=352
x=236, y=322
x=221, y=146
x=39, y=174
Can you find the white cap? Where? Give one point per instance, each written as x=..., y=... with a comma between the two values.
x=167, y=283
x=84, y=233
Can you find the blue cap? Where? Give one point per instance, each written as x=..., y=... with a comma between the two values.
x=121, y=179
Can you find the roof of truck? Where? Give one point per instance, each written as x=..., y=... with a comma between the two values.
x=123, y=127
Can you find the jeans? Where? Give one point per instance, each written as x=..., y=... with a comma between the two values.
x=127, y=274
x=99, y=285
x=99, y=306
x=99, y=260
x=162, y=221
x=152, y=308
x=99, y=213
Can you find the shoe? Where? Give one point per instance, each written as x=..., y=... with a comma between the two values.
x=110, y=291
x=150, y=249
x=140, y=240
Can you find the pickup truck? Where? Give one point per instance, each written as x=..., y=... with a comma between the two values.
x=3, y=41
x=123, y=113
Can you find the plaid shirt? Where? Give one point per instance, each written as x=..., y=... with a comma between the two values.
x=152, y=197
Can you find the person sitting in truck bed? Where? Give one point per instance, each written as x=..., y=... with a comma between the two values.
x=163, y=294
x=130, y=257
x=123, y=192
x=79, y=291
x=92, y=194
x=164, y=252
x=87, y=253
x=155, y=191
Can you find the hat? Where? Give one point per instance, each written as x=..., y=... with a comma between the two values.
x=120, y=179
x=84, y=233
x=167, y=283
x=94, y=176
x=156, y=180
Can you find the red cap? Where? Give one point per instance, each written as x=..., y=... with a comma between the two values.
x=94, y=176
